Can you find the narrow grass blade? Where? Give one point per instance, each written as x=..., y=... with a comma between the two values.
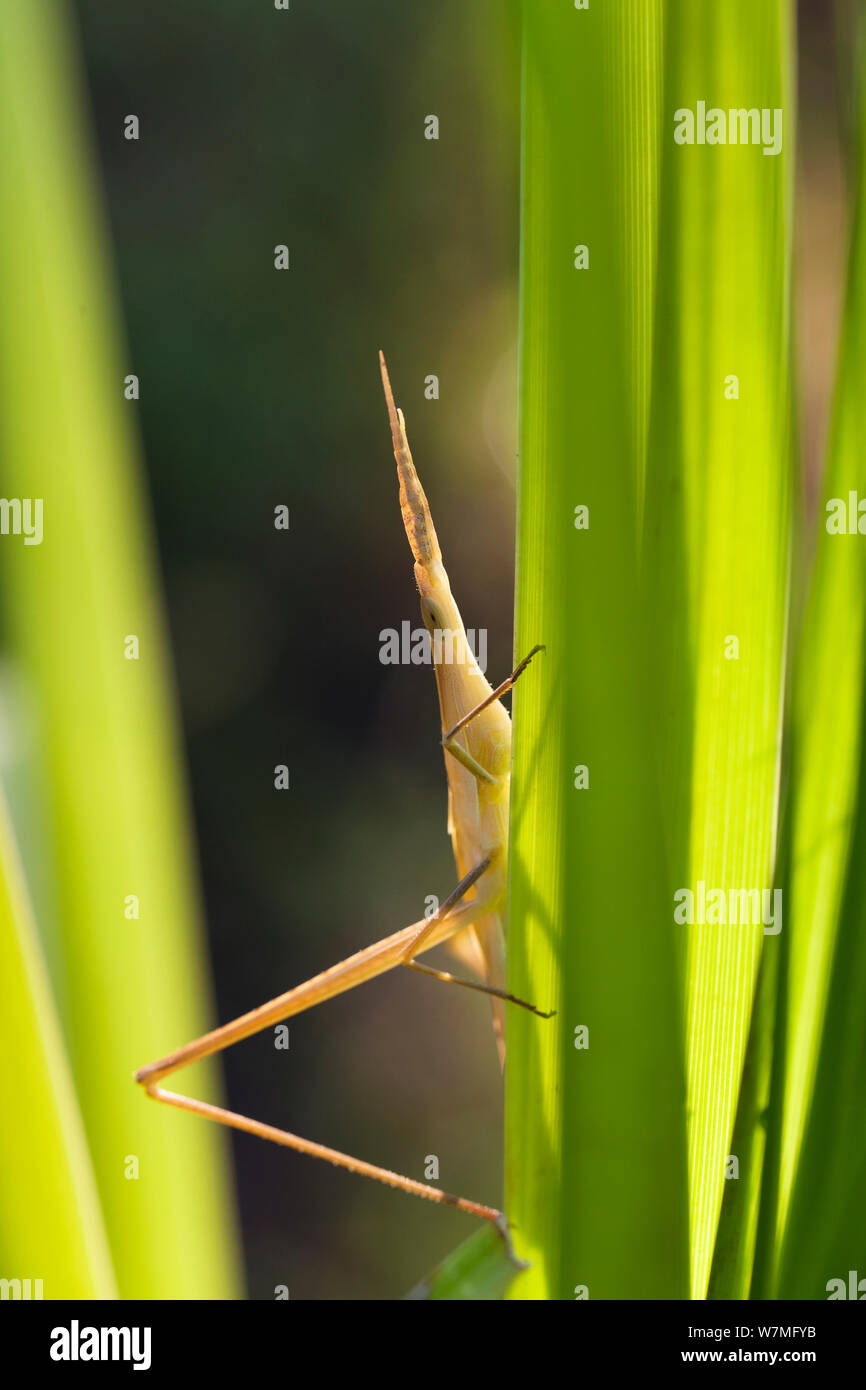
x=716, y=547
x=825, y=1232
x=819, y=1226
x=481, y=1269
x=827, y=725
x=132, y=984
x=734, y=1253
x=51, y=1226
x=595, y=1151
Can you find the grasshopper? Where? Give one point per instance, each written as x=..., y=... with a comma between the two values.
x=476, y=741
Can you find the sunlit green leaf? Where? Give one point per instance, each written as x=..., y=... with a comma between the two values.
x=132, y=985
x=51, y=1226
x=716, y=552
x=595, y=1153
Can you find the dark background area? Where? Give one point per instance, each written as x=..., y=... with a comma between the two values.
x=259, y=387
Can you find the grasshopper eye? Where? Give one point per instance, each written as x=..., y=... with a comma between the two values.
x=432, y=615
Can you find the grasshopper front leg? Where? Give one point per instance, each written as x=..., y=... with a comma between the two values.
x=449, y=740
x=482, y=774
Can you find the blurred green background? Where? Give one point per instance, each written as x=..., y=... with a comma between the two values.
x=258, y=388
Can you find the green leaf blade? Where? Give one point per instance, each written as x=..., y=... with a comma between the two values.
x=133, y=987
x=719, y=486
x=595, y=1157
x=51, y=1225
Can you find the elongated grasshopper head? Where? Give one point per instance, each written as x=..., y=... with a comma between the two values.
x=413, y=502
x=452, y=654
